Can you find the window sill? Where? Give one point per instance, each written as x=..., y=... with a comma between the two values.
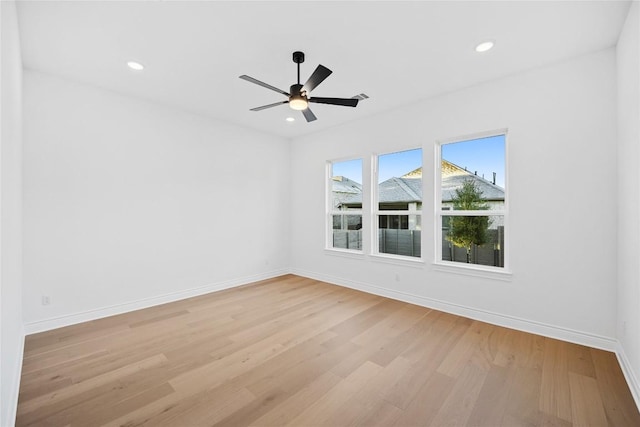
x=473, y=270
x=398, y=260
x=344, y=253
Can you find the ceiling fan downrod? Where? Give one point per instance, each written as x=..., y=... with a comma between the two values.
x=298, y=58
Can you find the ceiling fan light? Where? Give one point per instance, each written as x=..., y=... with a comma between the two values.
x=298, y=103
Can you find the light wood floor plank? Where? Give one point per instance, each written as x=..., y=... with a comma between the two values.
x=425, y=405
x=491, y=404
x=378, y=414
x=586, y=405
x=296, y=351
x=555, y=394
x=323, y=410
x=461, y=401
x=291, y=408
x=521, y=408
x=82, y=388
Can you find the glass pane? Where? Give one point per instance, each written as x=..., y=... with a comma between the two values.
x=347, y=232
x=400, y=181
x=473, y=239
x=473, y=174
x=401, y=235
x=346, y=185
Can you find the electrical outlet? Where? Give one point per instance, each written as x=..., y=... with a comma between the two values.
x=46, y=300
x=397, y=277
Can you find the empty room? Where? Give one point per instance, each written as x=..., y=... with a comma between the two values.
x=300, y=213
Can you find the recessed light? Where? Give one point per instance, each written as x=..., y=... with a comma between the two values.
x=135, y=65
x=290, y=119
x=484, y=46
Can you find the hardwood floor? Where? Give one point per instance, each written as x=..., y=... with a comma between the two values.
x=294, y=351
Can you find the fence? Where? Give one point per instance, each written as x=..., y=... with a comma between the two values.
x=399, y=242
x=408, y=243
x=491, y=253
x=347, y=239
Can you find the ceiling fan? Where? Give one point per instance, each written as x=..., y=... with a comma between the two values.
x=298, y=98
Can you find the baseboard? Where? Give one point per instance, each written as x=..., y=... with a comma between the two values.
x=9, y=417
x=627, y=370
x=85, y=316
x=551, y=331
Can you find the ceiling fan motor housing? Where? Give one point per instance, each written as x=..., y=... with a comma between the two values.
x=298, y=98
x=296, y=89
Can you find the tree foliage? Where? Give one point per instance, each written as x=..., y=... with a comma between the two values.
x=465, y=231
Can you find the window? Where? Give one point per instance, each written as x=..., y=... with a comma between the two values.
x=344, y=205
x=398, y=203
x=472, y=215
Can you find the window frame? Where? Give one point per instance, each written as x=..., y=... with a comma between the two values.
x=330, y=211
x=439, y=213
x=376, y=212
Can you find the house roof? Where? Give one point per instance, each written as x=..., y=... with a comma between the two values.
x=408, y=188
x=342, y=184
x=453, y=177
x=400, y=190
x=393, y=190
x=346, y=191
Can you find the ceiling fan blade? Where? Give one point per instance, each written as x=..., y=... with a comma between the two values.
x=263, y=84
x=308, y=114
x=347, y=102
x=317, y=77
x=264, y=107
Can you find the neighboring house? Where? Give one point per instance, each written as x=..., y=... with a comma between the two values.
x=452, y=178
x=344, y=190
x=405, y=194
x=400, y=194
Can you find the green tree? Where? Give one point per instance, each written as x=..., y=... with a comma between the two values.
x=465, y=231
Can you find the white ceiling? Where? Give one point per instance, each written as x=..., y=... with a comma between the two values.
x=395, y=52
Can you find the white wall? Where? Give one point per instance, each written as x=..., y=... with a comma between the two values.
x=11, y=326
x=628, y=66
x=562, y=154
x=128, y=203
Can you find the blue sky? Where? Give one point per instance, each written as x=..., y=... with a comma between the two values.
x=352, y=169
x=398, y=164
x=484, y=155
